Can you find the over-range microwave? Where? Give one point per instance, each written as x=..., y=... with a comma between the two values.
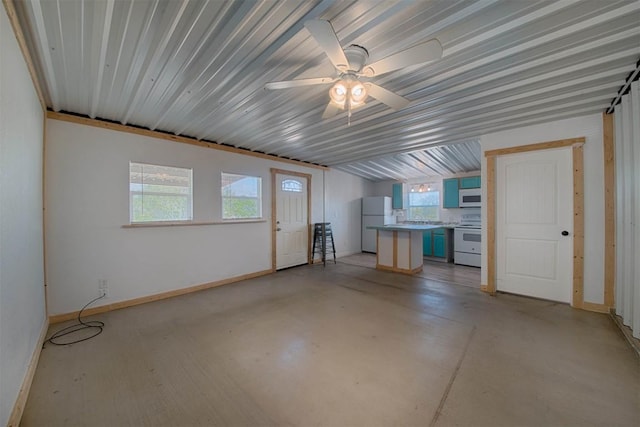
x=470, y=198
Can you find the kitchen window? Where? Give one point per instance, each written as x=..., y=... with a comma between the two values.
x=241, y=196
x=160, y=193
x=424, y=202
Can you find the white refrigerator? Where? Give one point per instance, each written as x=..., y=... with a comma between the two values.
x=375, y=211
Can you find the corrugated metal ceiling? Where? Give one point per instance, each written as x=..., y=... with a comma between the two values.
x=198, y=68
x=441, y=160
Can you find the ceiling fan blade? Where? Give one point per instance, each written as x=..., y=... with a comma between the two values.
x=385, y=96
x=326, y=38
x=418, y=54
x=331, y=110
x=301, y=82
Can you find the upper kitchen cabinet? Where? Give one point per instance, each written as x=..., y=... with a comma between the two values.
x=452, y=186
x=450, y=189
x=470, y=182
x=396, y=199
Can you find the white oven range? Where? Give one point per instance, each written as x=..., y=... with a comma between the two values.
x=467, y=241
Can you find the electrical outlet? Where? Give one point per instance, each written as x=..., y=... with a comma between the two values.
x=102, y=288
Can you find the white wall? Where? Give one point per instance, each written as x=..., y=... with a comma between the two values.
x=22, y=306
x=382, y=188
x=344, y=194
x=87, y=203
x=589, y=127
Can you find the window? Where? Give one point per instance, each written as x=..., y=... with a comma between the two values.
x=292, y=185
x=241, y=196
x=160, y=193
x=424, y=203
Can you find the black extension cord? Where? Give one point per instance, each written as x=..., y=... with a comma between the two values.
x=80, y=326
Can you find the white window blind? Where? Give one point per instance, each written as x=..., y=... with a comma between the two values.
x=160, y=193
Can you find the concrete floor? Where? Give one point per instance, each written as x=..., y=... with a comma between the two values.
x=342, y=345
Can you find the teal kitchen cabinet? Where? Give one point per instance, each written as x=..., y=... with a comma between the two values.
x=439, y=245
x=427, y=248
x=434, y=243
x=452, y=186
x=396, y=199
x=470, y=182
x=450, y=197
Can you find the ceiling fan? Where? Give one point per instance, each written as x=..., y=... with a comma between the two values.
x=348, y=91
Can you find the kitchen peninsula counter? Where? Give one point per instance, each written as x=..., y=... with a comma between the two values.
x=400, y=246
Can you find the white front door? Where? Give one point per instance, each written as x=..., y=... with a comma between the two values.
x=292, y=235
x=534, y=211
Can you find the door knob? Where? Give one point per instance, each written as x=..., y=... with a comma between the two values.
x=278, y=229
x=565, y=233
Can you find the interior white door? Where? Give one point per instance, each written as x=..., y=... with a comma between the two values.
x=292, y=235
x=534, y=224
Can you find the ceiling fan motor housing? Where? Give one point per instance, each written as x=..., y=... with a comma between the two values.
x=357, y=56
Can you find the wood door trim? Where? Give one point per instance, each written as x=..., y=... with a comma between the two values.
x=578, y=211
x=561, y=143
x=598, y=308
x=609, y=210
x=491, y=226
x=578, y=227
x=274, y=252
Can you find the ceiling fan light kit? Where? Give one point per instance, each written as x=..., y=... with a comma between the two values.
x=348, y=91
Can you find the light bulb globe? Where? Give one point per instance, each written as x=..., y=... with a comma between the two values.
x=358, y=93
x=338, y=93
